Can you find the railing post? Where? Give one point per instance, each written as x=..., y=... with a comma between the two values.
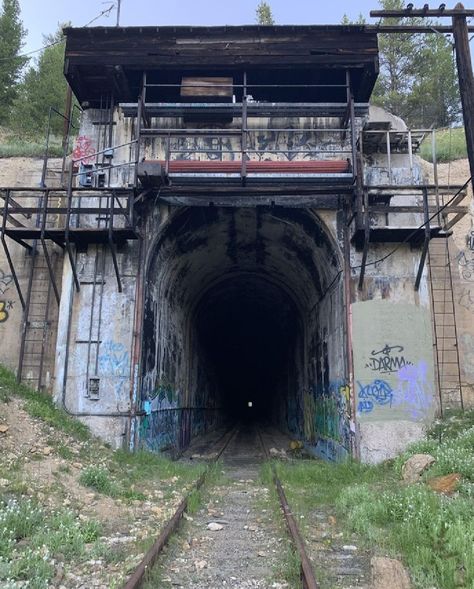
x=46, y=151
x=243, y=140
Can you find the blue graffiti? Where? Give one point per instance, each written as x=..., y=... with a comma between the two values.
x=412, y=393
x=378, y=392
x=114, y=359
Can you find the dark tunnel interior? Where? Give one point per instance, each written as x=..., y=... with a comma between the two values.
x=236, y=312
x=247, y=329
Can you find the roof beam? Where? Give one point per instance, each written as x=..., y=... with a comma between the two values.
x=423, y=12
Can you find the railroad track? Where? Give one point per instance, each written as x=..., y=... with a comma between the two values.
x=308, y=580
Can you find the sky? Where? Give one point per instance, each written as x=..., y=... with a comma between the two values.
x=42, y=16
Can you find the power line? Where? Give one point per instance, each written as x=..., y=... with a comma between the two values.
x=105, y=12
x=410, y=235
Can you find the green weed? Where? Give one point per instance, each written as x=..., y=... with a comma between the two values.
x=434, y=534
x=98, y=478
x=30, y=539
x=450, y=145
x=194, y=501
x=41, y=405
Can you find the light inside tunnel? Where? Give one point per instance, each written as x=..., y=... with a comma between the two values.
x=243, y=304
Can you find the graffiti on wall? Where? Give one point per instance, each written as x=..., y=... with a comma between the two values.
x=5, y=304
x=114, y=361
x=84, y=150
x=465, y=260
x=387, y=360
x=332, y=414
x=264, y=145
x=377, y=392
x=332, y=419
x=466, y=299
x=412, y=394
x=393, y=362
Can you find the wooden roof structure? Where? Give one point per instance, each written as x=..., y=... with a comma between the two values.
x=105, y=61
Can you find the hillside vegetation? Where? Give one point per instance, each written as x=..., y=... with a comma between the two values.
x=74, y=513
x=428, y=524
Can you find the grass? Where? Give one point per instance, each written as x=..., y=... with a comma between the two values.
x=450, y=145
x=14, y=145
x=32, y=540
x=432, y=534
x=35, y=538
x=41, y=405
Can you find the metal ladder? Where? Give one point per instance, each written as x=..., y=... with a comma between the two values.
x=36, y=362
x=444, y=327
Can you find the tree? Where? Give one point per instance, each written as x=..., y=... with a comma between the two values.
x=347, y=21
x=43, y=86
x=12, y=34
x=264, y=14
x=417, y=79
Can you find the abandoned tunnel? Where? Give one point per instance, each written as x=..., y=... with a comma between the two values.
x=243, y=320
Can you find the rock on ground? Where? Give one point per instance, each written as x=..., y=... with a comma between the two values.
x=415, y=466
x=388, y=573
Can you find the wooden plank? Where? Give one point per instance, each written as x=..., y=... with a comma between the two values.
x=208, y=87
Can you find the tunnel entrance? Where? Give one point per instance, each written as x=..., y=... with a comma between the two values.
x=244, y=320
x=248, y=328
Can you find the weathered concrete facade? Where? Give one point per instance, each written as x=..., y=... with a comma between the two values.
x=251, y=300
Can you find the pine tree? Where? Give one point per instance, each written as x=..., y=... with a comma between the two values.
x=417, y=79
x=12, y=34
x=264, y=14
x=43, y=86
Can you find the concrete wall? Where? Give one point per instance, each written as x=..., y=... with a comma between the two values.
x=149, y=352
x=22, y=172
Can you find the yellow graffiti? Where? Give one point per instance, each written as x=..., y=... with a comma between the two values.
x=309, y=412
x=3, y=312
x=345, y=391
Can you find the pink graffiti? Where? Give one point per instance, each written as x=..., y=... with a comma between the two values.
x=83, y=150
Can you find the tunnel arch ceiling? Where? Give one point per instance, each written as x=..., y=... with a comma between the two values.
x=245, y=305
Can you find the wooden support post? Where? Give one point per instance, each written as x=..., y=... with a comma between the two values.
x=366, y=240
x=426, y=242
x=466, y=79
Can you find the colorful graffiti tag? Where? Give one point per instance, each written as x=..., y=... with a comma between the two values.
x=412, y=393
x=83, y=150
x=332, y=418
x=378, y=392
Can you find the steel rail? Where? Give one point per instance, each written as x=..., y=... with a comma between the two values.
x=308, y=579
x=137, y=578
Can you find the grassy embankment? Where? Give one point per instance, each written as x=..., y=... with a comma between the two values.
x=48, y=525
x=450, y=145
x=433, y=534
x=14, y=145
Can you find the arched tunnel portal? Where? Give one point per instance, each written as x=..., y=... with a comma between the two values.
x=244, y=320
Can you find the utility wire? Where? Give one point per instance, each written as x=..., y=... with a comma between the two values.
x=105, y=12
x=412, y=233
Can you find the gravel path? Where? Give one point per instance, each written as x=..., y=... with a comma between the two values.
x=244, y=550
